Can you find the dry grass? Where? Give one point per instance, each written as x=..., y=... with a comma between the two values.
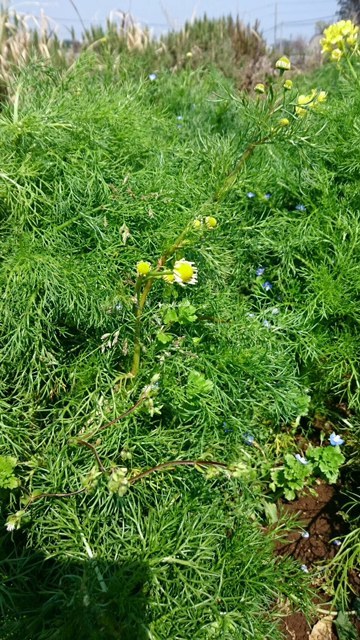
x=121, y=31
x=22, y=35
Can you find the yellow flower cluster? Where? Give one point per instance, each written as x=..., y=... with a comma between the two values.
x=184, y=272
x=309, y=101
x=210, y=223
x=339, y=39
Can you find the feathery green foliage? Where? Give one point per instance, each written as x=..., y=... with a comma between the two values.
x=99, y=173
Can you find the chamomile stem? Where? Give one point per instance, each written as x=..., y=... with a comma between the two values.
x=141, y=300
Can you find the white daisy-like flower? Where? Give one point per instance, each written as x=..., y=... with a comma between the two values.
x=185, y=272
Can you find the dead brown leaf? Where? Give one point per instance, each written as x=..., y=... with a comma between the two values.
x=322, y=630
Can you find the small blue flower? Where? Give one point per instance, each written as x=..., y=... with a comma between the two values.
x=226, y=429
x=266, y=324
x=300, y=207
x=336, y=543
x=301, y=459
x=179, y=118
x=305, y=535
x=152, y=76
x=304, y=568
x=267, y=286
x=249, y=439
x=267, y=196
x=260, y=271
x=336, y=440
x=250, y=194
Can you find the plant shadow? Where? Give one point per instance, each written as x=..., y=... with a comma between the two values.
x=44, y=599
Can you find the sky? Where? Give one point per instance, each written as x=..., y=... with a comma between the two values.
x=292, y=17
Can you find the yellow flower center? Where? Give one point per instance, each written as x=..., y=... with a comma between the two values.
x=143, y=268
x=169, y=278
x=210, y=222
x=184, y=271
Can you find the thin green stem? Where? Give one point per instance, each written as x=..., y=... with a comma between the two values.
x=55, y=495
x=231, y=178
x=352, y=70
x=83, y=443
x=177, y=463
x=159, y=467
x=121, y=417
x=141, y=300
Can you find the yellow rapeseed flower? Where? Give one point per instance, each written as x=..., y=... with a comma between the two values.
x=351, y=40
x=299, y=109
x=310, y=101
x=340, y=38
x=321, y=97
x=185, y=272
x=283, y=64
x=210, y=222
x=336, y=55
x=143, y=268
x=304, y=102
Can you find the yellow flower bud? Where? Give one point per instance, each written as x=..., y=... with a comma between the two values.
x=288, y=84
x=189, y=54
x=197, y=224
x=284, y=122
x=259, y=88
x=210, y=222
x=336, y=55
x=283, y=64
x=143, y=268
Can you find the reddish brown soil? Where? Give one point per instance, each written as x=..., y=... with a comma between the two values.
x=295, y=627
x=318, y=515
